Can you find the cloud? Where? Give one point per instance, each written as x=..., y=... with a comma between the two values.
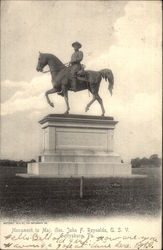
x=135, y=60
x=29, y=95
x=140, y=26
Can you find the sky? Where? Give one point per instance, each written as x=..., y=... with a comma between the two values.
x=124, y=36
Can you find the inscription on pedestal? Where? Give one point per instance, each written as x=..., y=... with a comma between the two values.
x=67, y=133
x=81, y=139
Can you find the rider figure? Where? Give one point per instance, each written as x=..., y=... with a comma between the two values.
x=75, y=65
x=76, y=58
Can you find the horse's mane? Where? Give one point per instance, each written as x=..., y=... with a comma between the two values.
x=55, y=59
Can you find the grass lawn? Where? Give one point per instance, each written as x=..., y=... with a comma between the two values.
x=50, y=197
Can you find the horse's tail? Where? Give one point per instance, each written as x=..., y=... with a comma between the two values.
x=108, y=76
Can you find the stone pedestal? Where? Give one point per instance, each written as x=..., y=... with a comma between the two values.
x=78, y=145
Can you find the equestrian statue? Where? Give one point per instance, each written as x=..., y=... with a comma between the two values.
x=73, y=77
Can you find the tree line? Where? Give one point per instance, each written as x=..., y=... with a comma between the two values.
x=13, y=163
x=152, y=161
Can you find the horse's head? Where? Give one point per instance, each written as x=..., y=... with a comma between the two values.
x=42, y=62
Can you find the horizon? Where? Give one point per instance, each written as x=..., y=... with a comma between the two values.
x=37, y=156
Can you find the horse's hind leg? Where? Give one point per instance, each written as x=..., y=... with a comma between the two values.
x=101, y=103
x=51, y=91
x=90, y=103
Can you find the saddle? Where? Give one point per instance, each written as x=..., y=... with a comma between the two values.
x=81, y=74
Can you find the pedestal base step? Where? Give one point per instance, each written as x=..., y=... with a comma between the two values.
x=80, y=157
x=78, y=169
x=50, y=176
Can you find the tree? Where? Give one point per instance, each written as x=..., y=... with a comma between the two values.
x=31, y=161
x=135, y=162
x=155, y=160
x=144, y=161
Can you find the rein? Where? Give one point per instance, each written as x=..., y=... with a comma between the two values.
x=47, y=71
x=66, y=64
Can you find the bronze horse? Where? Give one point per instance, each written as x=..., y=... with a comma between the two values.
x=61, y=80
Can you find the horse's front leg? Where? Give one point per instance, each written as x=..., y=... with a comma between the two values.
x=51, y=91
x=65, y=91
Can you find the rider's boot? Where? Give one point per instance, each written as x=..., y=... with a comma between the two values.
x=73, y=84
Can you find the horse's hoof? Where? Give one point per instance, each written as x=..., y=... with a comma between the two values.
x=103, y=115
x=86, y=109
x=66, y=113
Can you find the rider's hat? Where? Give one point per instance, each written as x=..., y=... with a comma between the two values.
x=76, y=44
